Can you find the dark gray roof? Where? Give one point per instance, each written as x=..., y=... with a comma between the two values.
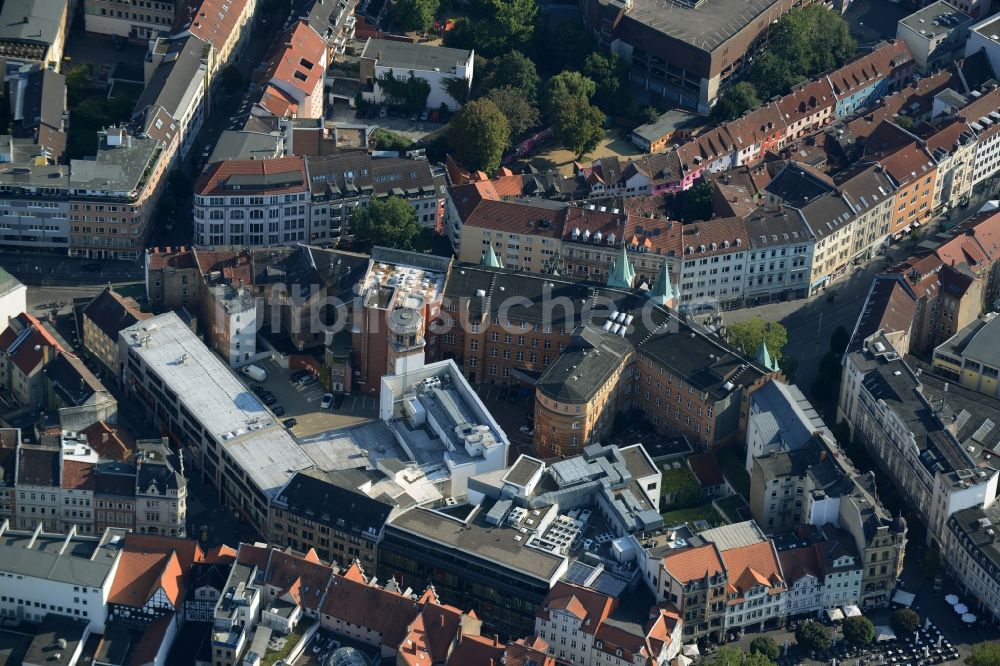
x=936, y=19
x=84, y=561
x=56, y=641
x=404, y=55
x=776, y=227
x=584, y=367
x=71, y=380
x=243, y=145
x=42, y=103
x=31, y=21
x=312, y=495
x=38, y=465
x=978, y=341
x=116, y=168
x=349, y=175
x=797, y=185
x=173, y=77
x=826, y=214
x=109, y=313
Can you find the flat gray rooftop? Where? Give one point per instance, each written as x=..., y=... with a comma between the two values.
x=414, y=56
x=936, y=18
x=705, y=27
x=87, y=561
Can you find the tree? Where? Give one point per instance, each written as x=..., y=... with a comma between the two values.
x=813, y=636
x=479, y=134
x=696, y=202
x=415, y=14
x=984, y=654
x=859, y=631
x=513, y=23
x=391, y=222
x=513, y=70
x=231, y=79
x=747, y=335
x=609, y=74
x=766, y=646
x=905, y=620
x=732, y=656
x=386, y=140
x=564, y=45
x=739, y=99
x=565, y=85
x=521, y=113
x=770, y=76
x=578, y=125
x=905, y=122
x=839, y=340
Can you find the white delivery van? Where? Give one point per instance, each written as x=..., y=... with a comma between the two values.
x=255, y=373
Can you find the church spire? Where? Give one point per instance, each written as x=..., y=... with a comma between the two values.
x=490, y=258
x=622, y=273
x=764, y=357
x=663, y=292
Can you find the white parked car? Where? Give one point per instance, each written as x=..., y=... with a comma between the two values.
x=326, y=401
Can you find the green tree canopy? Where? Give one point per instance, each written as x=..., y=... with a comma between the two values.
x=478, y=134
x=514, y=22
x=565, y=85
x=770, y=76
x=578, y=125
x=609, y=74
x=905, y=620
x=563, y=45
x=984, y=654
x=696, y=202
x=747, y=335
x=513, y=70
x=813, y=636
x=519, y=110
x=391, y=222
x=415, y=14
x=766, y=646
x=732, y=656
x=859, y=631
x=737, y=100
x=386, y=140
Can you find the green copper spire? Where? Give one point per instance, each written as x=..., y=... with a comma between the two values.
x=622, y=273
x=764, y=358
x=490, y=258
x=663, y=292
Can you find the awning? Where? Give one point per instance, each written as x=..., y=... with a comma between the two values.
x=952, y=599
x=852, y=611
x=969, y=618
x=903, y=598
x=834, y=614
x=961, y=609
x=884, y=633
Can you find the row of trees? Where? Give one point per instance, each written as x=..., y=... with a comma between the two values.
x=802, y=44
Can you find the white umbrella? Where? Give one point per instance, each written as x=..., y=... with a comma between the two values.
x=684, y=661
x=968, y=618
x=692, y=650
x=952, y=599
x=961, y=609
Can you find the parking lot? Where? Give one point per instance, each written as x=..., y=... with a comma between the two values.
x=413, y=130
x=303, y=403
x=510, y=416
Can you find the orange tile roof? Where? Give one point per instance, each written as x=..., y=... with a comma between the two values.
x=304, y=579
x=909, y=164
x=220, y=555
x=430, y=635
x=110, y=442
x=78, y=475
x=589, y=606
x=748, y=566
x=26, y=357
x=296, y=61
x=477, y=651
x=213, y=180
x=528, y=652
x=692, y=564
x=806, y=101
x=163, y=257
x=215, y=20
x=277, y=103
x=149, y=563
x=381, y=611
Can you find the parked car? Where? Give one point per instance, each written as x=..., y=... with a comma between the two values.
x=297, y=375
x=526, y=430
x=434, y=116
x=258, y=390
x=278, y=410
x=290, y=423
x=307, y=380
x=338, y=401
x=423, y=116
x=383, y=112
x=326, y=402
x=269, y=399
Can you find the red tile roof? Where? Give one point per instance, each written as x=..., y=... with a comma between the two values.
x=431, y=635
x=589, y=606
x=77, y=475
x=306, y=580
x=806, y=100
x=110, y=442
x=692, y=564
x=212, y=182
x=870, y=68
x=477, y=651
x=213, y=20
x=728, y=234
x=705, y=466
x=178, y=258
x=149, y=563
x=528, y=652
x=296, y=61
x=385, y=613
x=26, y=357
x=748, y=566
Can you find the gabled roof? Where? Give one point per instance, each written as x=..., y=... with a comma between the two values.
x=214, y=20
x=806, y=100
x=38, y=466
x=752, y=565
x=110, y=443
x=71, y=380
x=254, y=176
x=588, y=606
x=306, y=580
x=869, y=68
x=21, y=338
x=476, y=650
x=690, y=564
x=296, y=61
x=385, y=613
x=150, y=563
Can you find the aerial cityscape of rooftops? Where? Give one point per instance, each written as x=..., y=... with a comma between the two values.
x=500, y=332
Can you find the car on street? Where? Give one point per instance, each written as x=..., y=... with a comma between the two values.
x=326, y=402
x=526, y=430
x=278, y=410
x=290, y=423
x=383, y=112
x=269, y=399
x=338, y=400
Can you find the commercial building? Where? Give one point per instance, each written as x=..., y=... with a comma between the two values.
x=935, y=34
x=34, y=212
x=823, y=572
x=13, y=298
x=134, y=20
x=237, y=446
x=34, y=32
x=502, y=547
x=981, y=38
x=387, y=65
x=112, y=197
x=61, y=574
x=969, y=356
x=37, y=98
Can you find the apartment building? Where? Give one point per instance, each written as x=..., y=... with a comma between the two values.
x=822, y=569
x=881, y=400
x=252, y=203
x=983, y=114
x=323, y=511
x=172, y=277
x=971, y=555
x=229, y=317
x=954, y=149
x=38, y=109
x=107, y=314
x=225, y=24
x=335, y=22
x=26, y=347
x=808, y=107
x=292, y=78
x=112, y=197
x=713, y=263
x=34, y=211
x=779, y=258
x=862, y=81
x=384, y=62
x=133, y=19
x=913, y=171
